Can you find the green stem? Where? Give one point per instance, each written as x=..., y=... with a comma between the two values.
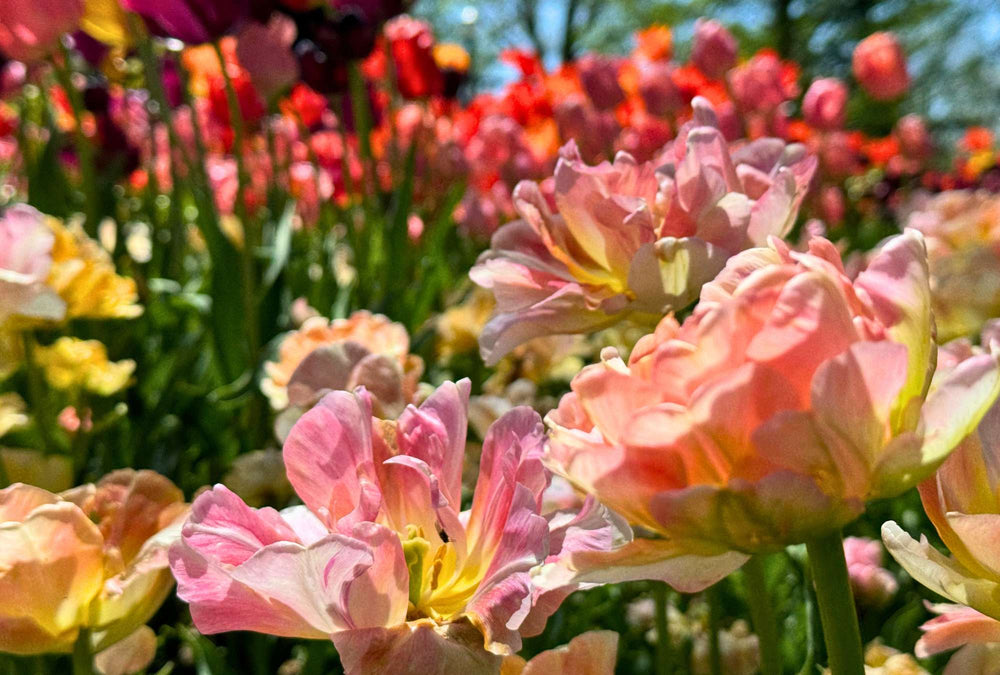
x=251, y=240
x=36, y=394
x=81, y=142
x=762, y=616
x=836, y=605
x=83, y=659
x=714, y=599
x=664, y=651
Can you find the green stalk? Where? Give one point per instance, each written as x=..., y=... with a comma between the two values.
x=83, y=659
x=762, y=616
x=36, y=394
x=836, y=605
x=250, y=238
x=664, y=651
x=81, y=142
x=714, y=599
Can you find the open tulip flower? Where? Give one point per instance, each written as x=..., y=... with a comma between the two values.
x=789, y=398
x=380, y=559
x=963, y=501
x=630, y=240
x=90, y=561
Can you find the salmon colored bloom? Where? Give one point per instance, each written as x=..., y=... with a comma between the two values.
x=632, y=241
x=962, y=229
x=879, y=64
x=364, y=349
x=789, y=398
x=593, y=653
x=962, y=500
x=379, y=559
x=30, y=29
x=91, y=558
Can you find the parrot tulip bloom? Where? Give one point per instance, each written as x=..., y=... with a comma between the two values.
x=363, y=350
x=632, y=241
x=25, y=260
x=593, y=653
x=92, y=558
x=30, y=29
x=380, y=559
x=789, y=398
x=963, y=501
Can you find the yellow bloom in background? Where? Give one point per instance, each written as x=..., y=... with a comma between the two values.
x=458, y=327
x=12, y=413
x=105, y=21
x=84, y=276
x=73, y=364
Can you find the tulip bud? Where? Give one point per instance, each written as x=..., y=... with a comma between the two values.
x=914, y=138
x=879, y=65
x=825, y=103
x=714, y=49
x=657, y=89
x=599, y=77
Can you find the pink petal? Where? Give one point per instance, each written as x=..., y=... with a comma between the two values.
x=954, y=628
x=328, y=455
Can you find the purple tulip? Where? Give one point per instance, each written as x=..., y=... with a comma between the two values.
x=191, y=21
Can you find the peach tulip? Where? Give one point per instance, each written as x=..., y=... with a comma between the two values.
x=379, y=559
x=632, y=241
x=963, y=501
x=363, y=350
x=93, y=558
x=789, y=398
x=593, y=653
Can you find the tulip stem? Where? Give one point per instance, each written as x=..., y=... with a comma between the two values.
x=83, y=659
x=664, y=652
x=82, y=143
x=762, y=616
x=836, y=605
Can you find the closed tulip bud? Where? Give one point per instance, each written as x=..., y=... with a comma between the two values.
x=657, y=88
x=879, y=65
x=825, y=104
x=599, y=77
x=714, y=49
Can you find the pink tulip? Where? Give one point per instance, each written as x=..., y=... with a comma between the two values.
x=265, y=51
x=872, y=584
x=714, y=49
x=915, y=140
x=787, y=400
x=657, y=89
x=963, y=501
x=30, y=29
x=599, y=78
x=26, y=243
x=758, y=85
x=879, y=65
x=825, y=104
x=379, y=558
x=630, y=240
